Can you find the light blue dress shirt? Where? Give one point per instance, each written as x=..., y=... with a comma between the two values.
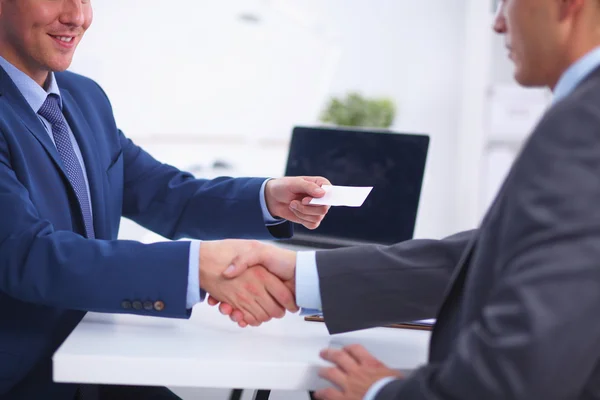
x=308, y=293
x=576, y=73
x=35, y=96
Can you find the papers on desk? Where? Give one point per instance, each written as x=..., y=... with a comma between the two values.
x=349, y=196
x=429, y=322
x=319, y=313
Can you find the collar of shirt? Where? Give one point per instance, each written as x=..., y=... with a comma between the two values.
x=576, y=73
x=34, y=94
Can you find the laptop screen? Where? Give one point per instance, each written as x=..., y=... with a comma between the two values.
x=392, y=163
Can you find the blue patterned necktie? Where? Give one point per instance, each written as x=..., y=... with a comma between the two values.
x=60, y=130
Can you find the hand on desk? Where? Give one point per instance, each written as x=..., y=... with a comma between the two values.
x=353, y=373
x=277, y=261
x=256, y=294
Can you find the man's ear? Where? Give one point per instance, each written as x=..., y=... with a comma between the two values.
x=569, y=8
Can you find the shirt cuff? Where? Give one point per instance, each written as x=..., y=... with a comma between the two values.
x=194, y=294
x=376, y=388
x=308, y=294
x=267, y=217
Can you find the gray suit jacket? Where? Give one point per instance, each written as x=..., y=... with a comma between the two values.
x=518, y=300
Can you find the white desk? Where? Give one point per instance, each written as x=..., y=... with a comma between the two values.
x=210, y=351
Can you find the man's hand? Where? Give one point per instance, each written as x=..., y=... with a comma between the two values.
x=355, y=371
x=256, y=295
x=288, y=198
x=279, y=262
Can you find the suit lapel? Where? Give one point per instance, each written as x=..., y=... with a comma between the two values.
x=87, y=144
x=13, y=97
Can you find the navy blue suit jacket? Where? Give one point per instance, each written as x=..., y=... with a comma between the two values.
x=50, y=275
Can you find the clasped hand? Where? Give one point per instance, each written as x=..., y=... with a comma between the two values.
x=256, y=294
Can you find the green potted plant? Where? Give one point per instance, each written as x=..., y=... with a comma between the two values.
x=356, y=110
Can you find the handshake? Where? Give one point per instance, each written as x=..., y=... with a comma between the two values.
x=253, y=282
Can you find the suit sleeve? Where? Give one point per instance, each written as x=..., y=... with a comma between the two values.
x=538, y=333
x=175, y=205
x=41, y=265
x=368, y=286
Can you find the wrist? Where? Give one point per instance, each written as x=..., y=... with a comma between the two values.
x=269, y=200
x=287, y=266
x=205, y=273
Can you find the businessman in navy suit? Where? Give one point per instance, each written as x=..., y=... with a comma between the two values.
x=67, y=176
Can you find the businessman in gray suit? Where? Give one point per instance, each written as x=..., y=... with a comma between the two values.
x=518, y=300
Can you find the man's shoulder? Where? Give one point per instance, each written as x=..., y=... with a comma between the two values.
x=577, y=115
x=586, y=93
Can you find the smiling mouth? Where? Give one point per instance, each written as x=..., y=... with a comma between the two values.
x=65, y=39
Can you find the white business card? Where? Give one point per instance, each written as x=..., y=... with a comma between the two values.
x=348, y=196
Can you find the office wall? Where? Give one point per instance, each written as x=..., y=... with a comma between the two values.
x=196, y=67
x=195, y=71
x=413, y=52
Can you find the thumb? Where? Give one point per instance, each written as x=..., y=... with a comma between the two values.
x=241, y=263
x=310, y=188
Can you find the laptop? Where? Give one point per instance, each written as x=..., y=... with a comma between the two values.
x=393, y=163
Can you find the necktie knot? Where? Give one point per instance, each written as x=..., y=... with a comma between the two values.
x=51, y=109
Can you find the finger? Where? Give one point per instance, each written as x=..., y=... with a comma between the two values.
x=335, y=376
x=359, y=353
x=212, y=301
x=329, y=394
x=319, y=180
x=271, y=307
x=281, y=293
x=249, y=289
x=225, y=309
x=306, y=209
x=340, y=358
x=306, y=201
x=249, y=318
x=314, y=219
x=301, y=220
x=269, y=304
x=261, y=312
x=250, y=311
x=237, y=316
x=308, y=187
x=246, y=303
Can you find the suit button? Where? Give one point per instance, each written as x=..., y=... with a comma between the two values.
x=159, y=305
x=126, y=304
x=137, y=305
x=148, y=306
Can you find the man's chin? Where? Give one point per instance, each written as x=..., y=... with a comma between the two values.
x=59, y=65
x=528, y=80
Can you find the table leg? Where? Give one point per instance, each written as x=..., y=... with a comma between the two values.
x=262, y=395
